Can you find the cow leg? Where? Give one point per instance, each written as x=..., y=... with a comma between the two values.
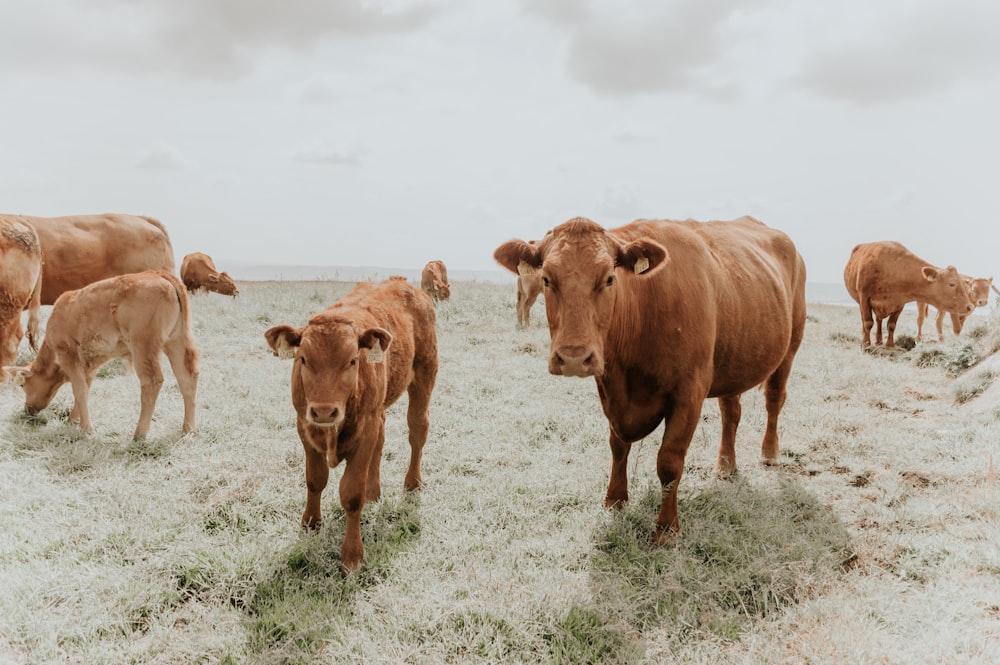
x=867, y=321
x=373, y=490
x=74, y=414
x=522, y=311
x=352, y=498
x=617, y=495
x=184, y=363
x=418, y=420
x=878, y=330
x=890, y=325
x=670, y=462
x=940, y=321
x=730, y=412
x=922, y=310
x=81, y=392
x=147, y=367
x=317, y=474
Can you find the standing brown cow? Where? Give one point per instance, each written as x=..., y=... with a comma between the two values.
x=352, y=361
x=883, y=276
x=979, y=292
x=434, y=280
x=82, y=249
x=529, y=287
x=20, y=286
x=664, y=314
x=135, y=316
x=198, y=272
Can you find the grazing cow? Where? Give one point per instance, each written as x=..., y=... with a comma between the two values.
x=434, y=280
x=20, y=286
x=663, y=315
x=352, y=361
x=979, y=291
x=82, y=249
x=883, y=276
x=135, y=316
x=529, y=286
x=198, y=273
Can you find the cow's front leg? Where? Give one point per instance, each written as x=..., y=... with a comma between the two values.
x=317, y=474
x=352, y=498
x=670, y=464
x=81, y=392
x=617, y=495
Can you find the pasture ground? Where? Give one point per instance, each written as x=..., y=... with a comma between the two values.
x=877, y=540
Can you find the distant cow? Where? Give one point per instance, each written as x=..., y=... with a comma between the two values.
x=434, y=280
x=979, y=292
x=198, y=273
x=82, y=249
x=352, y=361
x=664, y=314
x=883, y=276
x=136, y=317
x=529, y=287
x=20, y=286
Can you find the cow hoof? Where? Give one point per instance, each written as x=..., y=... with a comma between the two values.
x=770, y=461
x=615, y=504
x=355, y=567
x=662, y=537
x=724, y=473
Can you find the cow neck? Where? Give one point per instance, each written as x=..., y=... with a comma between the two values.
x=625, y=339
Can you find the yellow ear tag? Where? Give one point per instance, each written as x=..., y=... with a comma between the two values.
x=375, y=353
x=641, y=265
x=285, y=350
x=524, y=269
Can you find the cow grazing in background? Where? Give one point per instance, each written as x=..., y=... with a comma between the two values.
x=529, y=287
x=979, y=292
x=198, y=273
x=664, y=314
x=82, y=249
x=883, y=276
x=434, y=280
x=351, y=362
x=135, y=316
x=20, y=286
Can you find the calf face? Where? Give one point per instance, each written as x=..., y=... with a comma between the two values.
x=40, y=385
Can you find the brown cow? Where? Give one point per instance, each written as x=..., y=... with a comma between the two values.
x=434, y=280
x=979, y=291
x=664, y=314
x=198, y=273
x=529, y=286
x=136, y=317
x=82, y=249
x=883, y=276
x=20, y=286
x=352, y=361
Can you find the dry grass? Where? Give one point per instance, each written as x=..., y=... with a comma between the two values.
x=876, y=541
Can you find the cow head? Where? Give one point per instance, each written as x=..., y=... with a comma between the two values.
x=949, y=291
x=443, y=289
x=40, y=381
x=979, y=290
x=221, y=282
x=327, y=356
x=580, y=265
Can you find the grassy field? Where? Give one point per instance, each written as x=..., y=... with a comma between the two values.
x=877, y=540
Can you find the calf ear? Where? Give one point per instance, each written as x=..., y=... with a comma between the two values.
x=376, y=340
x=642, y=256
x=283, y=340
x=930, y=273
x=513, y=253
x=16, y=375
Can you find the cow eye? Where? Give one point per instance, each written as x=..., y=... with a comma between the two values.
x=545, y=282
x=611, y=280
x=302, y=359
x=354, y=361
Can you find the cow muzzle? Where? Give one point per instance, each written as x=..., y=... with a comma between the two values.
x=575, y=361
x=325, y=415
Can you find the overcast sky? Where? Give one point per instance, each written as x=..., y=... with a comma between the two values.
x=368, y=133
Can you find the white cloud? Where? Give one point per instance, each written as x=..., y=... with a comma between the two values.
x=161, y=157
x=325, y=152
x=318, y=89
x=620, y=202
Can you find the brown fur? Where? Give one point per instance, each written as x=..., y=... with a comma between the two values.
x=720, y=309
x=340, y=396
x=81, y=249
x=883, y=276
x=529, y=287
x=136, y=317
x=20, y=286
x=979, y=292
x=198, y=272
x=434, y=280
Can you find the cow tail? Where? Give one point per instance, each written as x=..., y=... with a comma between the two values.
x=190, y=349
x=35, y=313
x=166, y=238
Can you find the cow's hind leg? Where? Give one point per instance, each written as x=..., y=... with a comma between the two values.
x=730, y=412
x=418, y=419
x=146, y=359
x=183, y=359
x=890, y=326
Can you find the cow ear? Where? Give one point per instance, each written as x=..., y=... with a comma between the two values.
x=513, y=253
x=283, y=340
x=16, y=375
x=930, y=273
x=642, y=256
x=376, y=340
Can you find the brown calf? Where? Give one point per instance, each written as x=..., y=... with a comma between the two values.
x=351, y=362
x=979, y=291
x=434, y=280
x=136, y=317
x=198, y=273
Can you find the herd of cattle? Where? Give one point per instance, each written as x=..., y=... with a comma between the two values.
x=663, y=314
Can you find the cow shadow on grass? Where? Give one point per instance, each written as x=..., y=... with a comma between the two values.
x=744, y=553
x=302, y=600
